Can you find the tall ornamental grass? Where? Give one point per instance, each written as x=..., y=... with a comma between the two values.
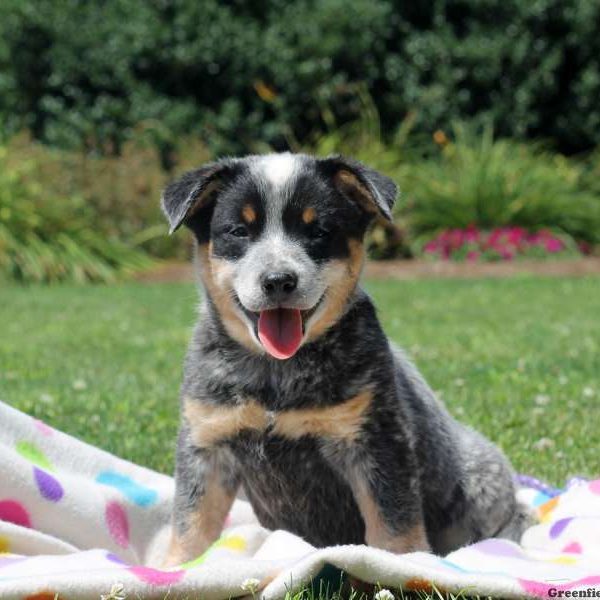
x=46, y=237
x=476, y=180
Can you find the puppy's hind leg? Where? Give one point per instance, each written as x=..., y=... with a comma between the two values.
x=522, y=519
x=488, y=506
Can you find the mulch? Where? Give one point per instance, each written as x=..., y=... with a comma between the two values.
x=171, y=272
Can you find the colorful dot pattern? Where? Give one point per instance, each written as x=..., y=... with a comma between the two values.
x=235, y=543
x=133, y=491
x=48, y=486
x=117, y=523
x=123, y=495
x=155, y=576
x=14, y=512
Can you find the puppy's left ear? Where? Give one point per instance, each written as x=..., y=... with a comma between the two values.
x=374, y=192
x=193, y=190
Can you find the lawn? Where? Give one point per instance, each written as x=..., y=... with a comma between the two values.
x=517, y=358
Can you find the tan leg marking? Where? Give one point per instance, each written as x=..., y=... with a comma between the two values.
x=204, y=526
x=342, y=421
x=377, y=533
x=342, y=279
x=309, y=215
x=217, y=276
x=248, y=214
x=211, y=423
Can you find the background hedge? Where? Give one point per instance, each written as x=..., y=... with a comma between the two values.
x=242, y=74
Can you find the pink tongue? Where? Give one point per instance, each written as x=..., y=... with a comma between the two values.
x=280, y=331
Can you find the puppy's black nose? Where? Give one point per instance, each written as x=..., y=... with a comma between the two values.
x=278, y=285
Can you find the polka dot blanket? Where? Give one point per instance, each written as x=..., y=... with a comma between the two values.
x=75, y=522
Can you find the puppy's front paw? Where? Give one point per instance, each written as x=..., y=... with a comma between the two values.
x=178, y=553
x=413, y=540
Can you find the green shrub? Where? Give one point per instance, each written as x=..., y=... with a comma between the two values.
x=122, y=192
x=485, y=182
x=48, y=237
x=243, y=75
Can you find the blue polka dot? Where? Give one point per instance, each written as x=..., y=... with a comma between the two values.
x=134, y=492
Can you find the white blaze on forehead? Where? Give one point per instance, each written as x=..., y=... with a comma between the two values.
x=278, y=169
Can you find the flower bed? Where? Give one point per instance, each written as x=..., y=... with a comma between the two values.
x=501, y=243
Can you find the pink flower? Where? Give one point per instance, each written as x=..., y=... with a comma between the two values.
x=515, y=235
x=493, y=237
x=431, y=247
x=506, y=253
x=501, y=242
x=472, y=234
x=553, y=245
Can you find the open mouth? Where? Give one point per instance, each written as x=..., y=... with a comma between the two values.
x=280, y=330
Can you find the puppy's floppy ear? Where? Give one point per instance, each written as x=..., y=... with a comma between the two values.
x=194, y=190
x=375, y=192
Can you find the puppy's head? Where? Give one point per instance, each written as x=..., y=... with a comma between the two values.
x=280, y=241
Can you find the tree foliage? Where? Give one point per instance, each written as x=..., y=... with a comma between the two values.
x=245, y=74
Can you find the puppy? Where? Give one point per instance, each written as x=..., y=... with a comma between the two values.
x=291, y=389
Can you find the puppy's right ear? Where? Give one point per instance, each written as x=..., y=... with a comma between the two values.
x=194, y=190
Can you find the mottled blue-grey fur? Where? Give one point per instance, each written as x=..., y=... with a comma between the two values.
x=411, y=464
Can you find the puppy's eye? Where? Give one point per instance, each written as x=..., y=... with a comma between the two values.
x=239, y=231
x=318, y=232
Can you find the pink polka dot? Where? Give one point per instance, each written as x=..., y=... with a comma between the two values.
x=43, y=428
x=595, y=487
x=156, y=577
x=118, y=525
x=14, y=512
x=573, y=548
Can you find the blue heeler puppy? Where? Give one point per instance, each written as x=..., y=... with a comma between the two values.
x=291, y=388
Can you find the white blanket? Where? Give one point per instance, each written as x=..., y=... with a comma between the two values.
x=75, y=521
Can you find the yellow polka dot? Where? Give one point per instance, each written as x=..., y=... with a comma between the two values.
x=4, y=547
x=564, y=560
x=234, y=542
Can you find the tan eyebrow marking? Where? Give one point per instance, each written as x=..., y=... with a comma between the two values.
x=248, y=214
x=309, y=215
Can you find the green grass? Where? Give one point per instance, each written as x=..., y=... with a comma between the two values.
x=519, y=359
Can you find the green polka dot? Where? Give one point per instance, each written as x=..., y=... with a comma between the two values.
x=33, y=454
x=234, y=542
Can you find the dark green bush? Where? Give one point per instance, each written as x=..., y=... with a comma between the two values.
x=245, y=74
